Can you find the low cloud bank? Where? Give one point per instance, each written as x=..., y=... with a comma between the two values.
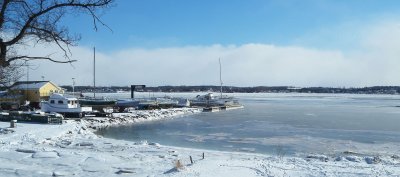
x=376, y=61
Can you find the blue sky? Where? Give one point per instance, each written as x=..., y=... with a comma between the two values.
x=338, y=43
x=165, y=23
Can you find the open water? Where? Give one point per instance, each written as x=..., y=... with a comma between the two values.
x=281, y=123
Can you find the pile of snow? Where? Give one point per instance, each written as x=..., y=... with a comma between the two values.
x=137, y=116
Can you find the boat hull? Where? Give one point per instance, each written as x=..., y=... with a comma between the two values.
x=105, y=103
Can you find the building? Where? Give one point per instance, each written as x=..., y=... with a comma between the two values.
x=34, y=91
x=9, y=101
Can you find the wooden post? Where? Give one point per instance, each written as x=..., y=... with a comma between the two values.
x=203, y=155
x=191, y=160
x=13, y=123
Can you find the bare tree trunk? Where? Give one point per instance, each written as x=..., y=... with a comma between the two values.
x=3, y=48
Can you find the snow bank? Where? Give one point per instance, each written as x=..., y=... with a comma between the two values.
x=73, y=149
x=136, y=116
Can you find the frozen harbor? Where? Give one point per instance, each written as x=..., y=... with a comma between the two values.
x=73, y=149
x=297, y=124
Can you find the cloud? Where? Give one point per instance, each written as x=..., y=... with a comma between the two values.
x=375, y=61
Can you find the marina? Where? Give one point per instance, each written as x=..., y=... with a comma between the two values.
x=207, y=88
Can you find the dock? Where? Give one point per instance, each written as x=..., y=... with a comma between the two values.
x=221, y=108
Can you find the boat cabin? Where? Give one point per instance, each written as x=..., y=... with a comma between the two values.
x=59, y=100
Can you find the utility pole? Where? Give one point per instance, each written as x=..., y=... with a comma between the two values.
x=94, y=72
x=73, y=86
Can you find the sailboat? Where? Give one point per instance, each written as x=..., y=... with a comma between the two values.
x=99, y=102
x=211, y=100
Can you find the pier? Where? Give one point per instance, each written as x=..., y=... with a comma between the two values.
x=220, y=108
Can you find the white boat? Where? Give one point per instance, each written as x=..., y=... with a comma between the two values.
x=63, y=104
x=182, y=102
x=121, y=91
x=209, y=100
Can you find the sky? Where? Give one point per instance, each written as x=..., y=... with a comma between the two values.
x=305, y=43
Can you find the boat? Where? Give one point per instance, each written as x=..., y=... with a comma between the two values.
x=64, y=104
x=125, y=103
x=166, y=102
x=211, y=100
x=97, y=103
x=121, y=91
x=102, y=101
x=182, y=102
x=152, y=103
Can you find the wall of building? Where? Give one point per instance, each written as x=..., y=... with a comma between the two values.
x=47, y=90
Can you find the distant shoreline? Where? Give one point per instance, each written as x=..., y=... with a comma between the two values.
x=393, y=90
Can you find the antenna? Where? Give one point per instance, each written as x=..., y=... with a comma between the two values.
x=28, y=67
x=220, y=74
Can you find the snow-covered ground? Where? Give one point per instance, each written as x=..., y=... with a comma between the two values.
x=72, y=149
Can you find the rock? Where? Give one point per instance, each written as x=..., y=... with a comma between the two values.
x=154, y=144
x=350, y=153
x=372, y=160
x=353, y=158
x=25, y=150
x=122, y=171
x=84, y=144
x=61, y=173
x=322, y=158
x=340, y=158
x=395, y=157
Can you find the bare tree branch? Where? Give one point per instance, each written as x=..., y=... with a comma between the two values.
x=38, y=21
x=2, y=11
x=49, y=9
x=26, y=58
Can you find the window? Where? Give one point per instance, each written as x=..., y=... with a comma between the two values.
x=60, y=102
x=52, y=101
x=69, y=102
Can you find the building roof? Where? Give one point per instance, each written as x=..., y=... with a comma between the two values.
x=30, y=85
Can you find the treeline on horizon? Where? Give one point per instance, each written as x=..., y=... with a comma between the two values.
x=234, y=89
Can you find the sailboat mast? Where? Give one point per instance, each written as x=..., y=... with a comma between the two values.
x=220, y=74
x=94, y=72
